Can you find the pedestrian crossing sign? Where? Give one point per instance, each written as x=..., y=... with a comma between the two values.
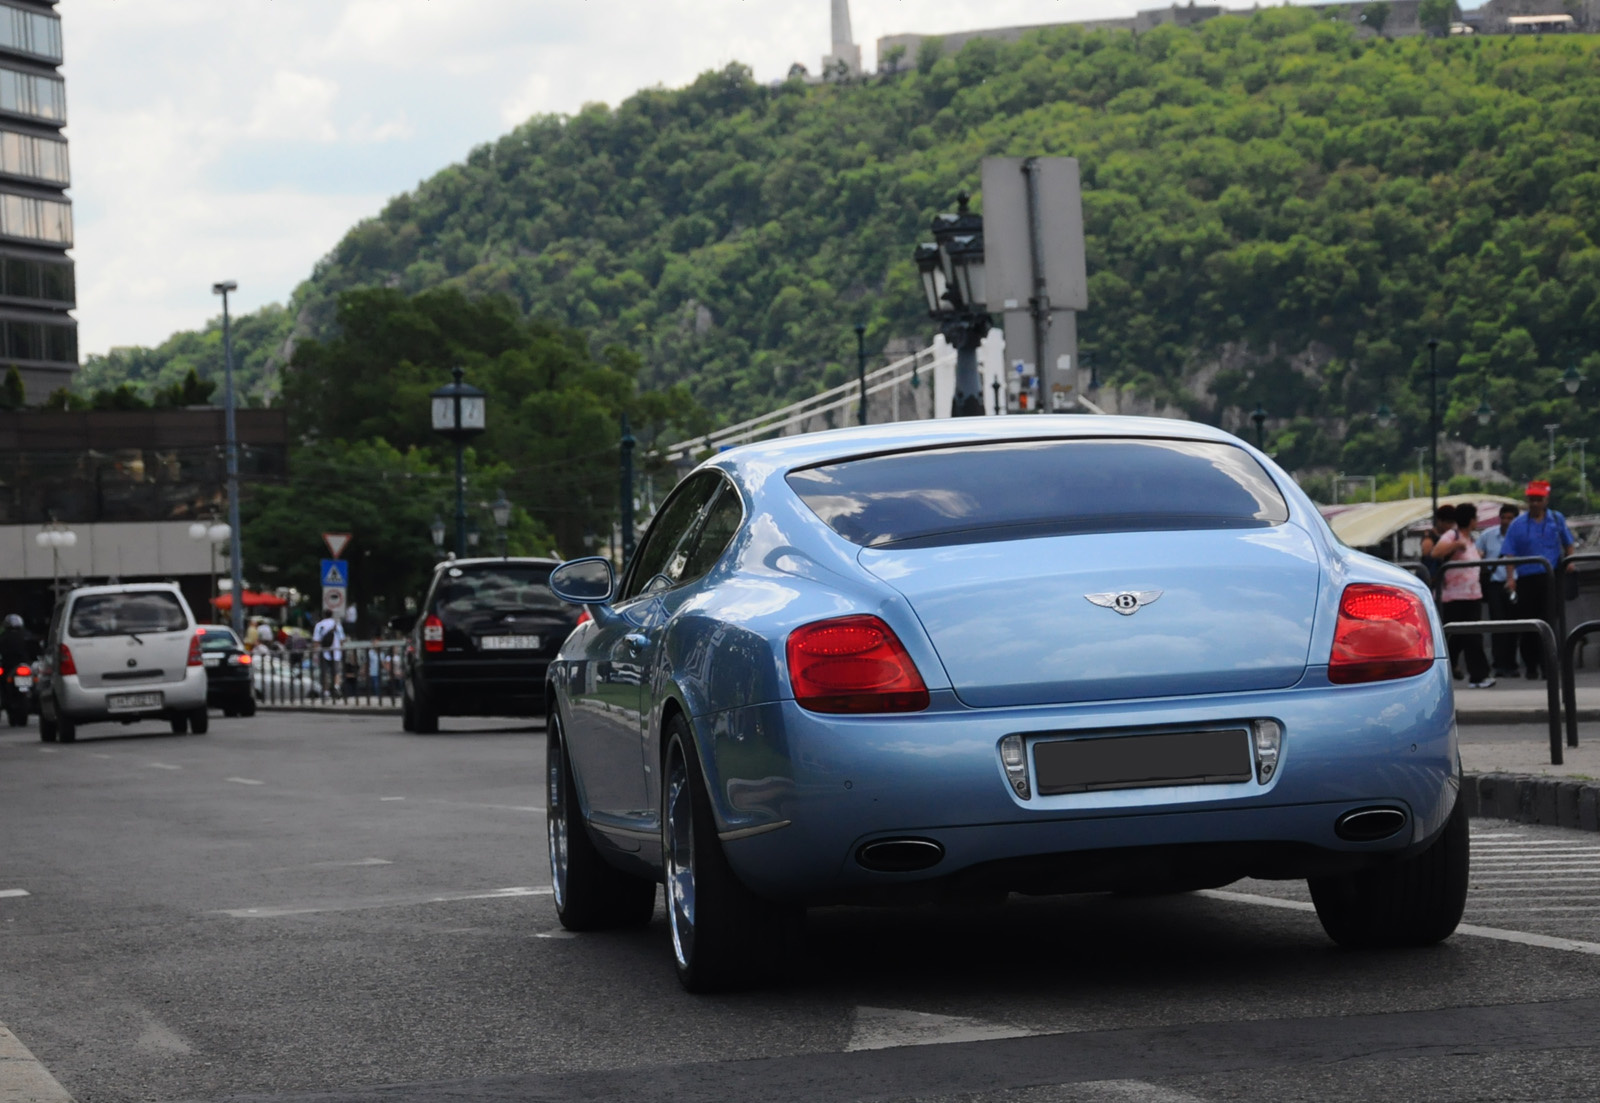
x=335, y=572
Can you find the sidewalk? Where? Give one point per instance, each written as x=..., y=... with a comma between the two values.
x=1505, y=754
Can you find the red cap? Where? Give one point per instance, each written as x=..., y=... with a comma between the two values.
x=1538, y=489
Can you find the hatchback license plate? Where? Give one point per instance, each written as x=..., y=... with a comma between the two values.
x=1143, y=761
x=509, y=643
x=118, y=701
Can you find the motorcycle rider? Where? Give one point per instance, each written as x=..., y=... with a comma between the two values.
x=15, y=647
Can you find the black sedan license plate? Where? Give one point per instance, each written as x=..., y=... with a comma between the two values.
x=1142, y=761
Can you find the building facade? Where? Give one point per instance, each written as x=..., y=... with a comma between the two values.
x=38, y=334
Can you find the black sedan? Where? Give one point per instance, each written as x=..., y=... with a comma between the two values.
x=228, y=671
x=481, y=644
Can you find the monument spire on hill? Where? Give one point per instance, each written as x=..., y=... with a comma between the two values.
x=845, y=51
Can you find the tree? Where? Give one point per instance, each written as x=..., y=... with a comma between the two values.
x=1376, y=15
x=1437, y=15
x=13, y=396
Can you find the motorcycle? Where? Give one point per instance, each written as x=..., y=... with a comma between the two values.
x=16, y=692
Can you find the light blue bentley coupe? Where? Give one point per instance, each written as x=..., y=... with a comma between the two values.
x=951, y=659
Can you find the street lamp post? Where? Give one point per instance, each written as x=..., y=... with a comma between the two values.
x=458, y=413
x=1433, y=420
x=995, y=387
x=235, y=559
x=216, y=533
x=861, y=371
x=629, y=442
x=436, y=531
x=55, y=536
x=1260, y=418
x=1550, y=430
x=501, y=509
x=953, y=283
x=1583, y=474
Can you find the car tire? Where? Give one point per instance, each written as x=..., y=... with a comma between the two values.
x=247, y=707
x=47, y=729
x=1415, y=902
x=408, y=717
x=17, y=717
x=229, y=713
x=66, y=730
x=199, y=721
x=180, y=723
x=723, y=936
x=425, y=719
x=590, y=894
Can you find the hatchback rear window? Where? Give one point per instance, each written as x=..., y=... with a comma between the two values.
x=125, y=614
x=1018, y=489
x=503, y=586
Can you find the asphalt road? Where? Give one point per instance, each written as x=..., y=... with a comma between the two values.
x=300, y=907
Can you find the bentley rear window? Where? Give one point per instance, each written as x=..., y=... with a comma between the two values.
x=1017, y=489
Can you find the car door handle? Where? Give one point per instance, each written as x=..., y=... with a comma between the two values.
x=636, y=641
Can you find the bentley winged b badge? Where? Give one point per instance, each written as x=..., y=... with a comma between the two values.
x=1128, y=602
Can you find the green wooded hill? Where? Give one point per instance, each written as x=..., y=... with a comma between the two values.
x=1277, y=212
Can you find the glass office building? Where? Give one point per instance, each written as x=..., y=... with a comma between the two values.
x=37, y=292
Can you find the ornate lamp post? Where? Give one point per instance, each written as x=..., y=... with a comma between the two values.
x=1260, y=418
x=235, y=559
x=952, y=271
x=436, y=530
x=458, y=413
x=216, y=533
x=56, y=536
x=501, y=508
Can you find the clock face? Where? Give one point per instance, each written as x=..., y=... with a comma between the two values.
x=472, y=413
x=444, y=414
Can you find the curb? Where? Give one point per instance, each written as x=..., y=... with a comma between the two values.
x=1525, y=798
x=1533, y=715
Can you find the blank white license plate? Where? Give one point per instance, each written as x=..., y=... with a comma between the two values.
x=24, y=682
x=509, y=643
x=133, y=701
x=212, y=660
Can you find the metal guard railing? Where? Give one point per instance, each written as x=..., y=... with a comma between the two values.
x=361, y=675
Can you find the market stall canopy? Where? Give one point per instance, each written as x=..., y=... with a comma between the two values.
x=1369, y=523
x=252, y=599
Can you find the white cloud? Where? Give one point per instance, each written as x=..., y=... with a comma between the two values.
x=241, y=140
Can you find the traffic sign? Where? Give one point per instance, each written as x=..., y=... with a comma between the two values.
x=336, y=542
x=335, y=572
x=335, y=598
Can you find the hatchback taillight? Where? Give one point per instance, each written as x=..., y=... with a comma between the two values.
x=64, y=663
x=194, y=650
x=853, y=664
x=433, y=634
x=1382, y=633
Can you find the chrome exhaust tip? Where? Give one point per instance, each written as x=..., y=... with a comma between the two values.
x=900, y=855
x=1368, y=825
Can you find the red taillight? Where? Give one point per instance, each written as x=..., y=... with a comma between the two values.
x=64, y=664
x=583, y=618
x=23, y=671
x=194, y=650
x=1383, y=632
x=853, y=664
x=433, y=634
x=245, y=660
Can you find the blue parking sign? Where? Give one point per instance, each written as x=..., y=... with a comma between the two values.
x=335, y=572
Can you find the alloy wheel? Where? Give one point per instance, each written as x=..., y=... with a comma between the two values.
x=679, y=822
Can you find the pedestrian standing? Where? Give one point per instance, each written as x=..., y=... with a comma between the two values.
x=1461, y=595
x=1433, y=557
x=1543, y=532
x=328, y=637
x=1502, y=645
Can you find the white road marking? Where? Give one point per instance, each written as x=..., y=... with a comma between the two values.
x=14, y=892
x=1544, y=941
x=279, y=911
x=159, y=1038
x=243, y=781
x=391, y=798
x=1127, y=1091
x=557, y=933
x=49, y=750
x=887, y=1027
x=492, y=807
x=162, y=766
x=348, y=863
x=1476, y=835
x=22, y=1078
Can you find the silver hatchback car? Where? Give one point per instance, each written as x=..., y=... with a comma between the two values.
x=121, y=653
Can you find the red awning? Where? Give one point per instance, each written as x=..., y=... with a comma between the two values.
x=251, y=599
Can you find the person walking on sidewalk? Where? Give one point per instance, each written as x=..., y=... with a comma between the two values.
x=1541, y=531
x=1502, y=645
x=1461, y=594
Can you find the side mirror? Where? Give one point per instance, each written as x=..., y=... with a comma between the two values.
x=403, y=623
x=588, y=581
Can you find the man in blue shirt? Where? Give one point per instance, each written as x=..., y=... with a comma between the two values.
x=1503, y=644
x=1542, y=532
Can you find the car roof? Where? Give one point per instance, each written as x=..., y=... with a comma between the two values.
x=784, y=454
x=125, y=588
x=520, y=560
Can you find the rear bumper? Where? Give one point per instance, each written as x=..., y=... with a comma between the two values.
x=83, y=705
x=836, y=783
x=476, y=688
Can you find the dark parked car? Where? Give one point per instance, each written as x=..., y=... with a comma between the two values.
x=481, y=644
x=228, y=671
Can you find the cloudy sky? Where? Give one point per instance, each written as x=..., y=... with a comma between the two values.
x=239, y=140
